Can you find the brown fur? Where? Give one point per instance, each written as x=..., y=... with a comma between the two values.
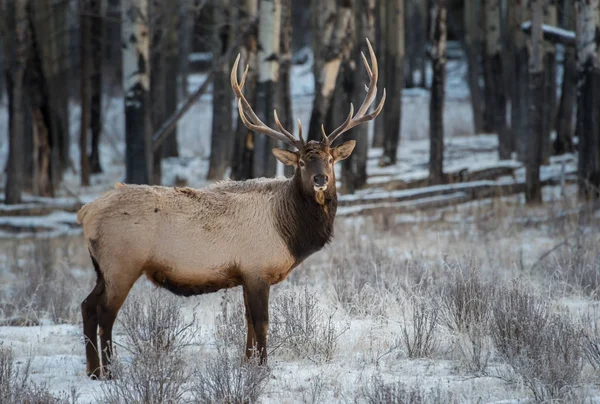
x=197, y=241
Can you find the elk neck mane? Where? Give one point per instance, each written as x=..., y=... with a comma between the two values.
x=305, y=225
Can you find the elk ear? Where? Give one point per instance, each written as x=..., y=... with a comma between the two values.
x=289, y=158
x=343, y=151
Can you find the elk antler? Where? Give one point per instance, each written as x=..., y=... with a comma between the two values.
x=252, y=121
x=360, y=116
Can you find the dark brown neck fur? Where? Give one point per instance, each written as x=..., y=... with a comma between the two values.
x=305, y=225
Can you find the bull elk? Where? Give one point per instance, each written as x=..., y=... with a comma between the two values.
x=195, y=241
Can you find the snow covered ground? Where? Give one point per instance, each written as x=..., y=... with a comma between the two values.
x=362, y=299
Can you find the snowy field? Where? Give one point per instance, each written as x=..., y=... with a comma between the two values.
x=481, y=301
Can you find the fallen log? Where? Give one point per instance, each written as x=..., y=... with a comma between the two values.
x=399, y=182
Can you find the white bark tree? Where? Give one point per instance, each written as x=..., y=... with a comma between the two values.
x=136, y=85
x=269, y=24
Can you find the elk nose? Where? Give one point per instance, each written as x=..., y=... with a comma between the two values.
x=320, y=180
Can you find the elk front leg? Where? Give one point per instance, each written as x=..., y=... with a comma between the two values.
x=256, y=297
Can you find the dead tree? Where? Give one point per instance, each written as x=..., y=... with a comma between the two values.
x=15, y=33
x=394, y=75
x=85, y=65
x=264, y=163
x=334, y=40
x=415, y=24
x=473, y=48
x=568, y=96
x=96, y=46
x=588, y=99
x=285, y=67
x=549, y=60
x=186, y=36
x=381, y=19
x=354, y=169
x=171, y=68
x=436, y=103
x=495, y=92
x=537, y=93
x=243, y=148
x=520, y=88
x=136, y=85
x=222, y=95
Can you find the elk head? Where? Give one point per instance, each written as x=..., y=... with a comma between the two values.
x=313, y=160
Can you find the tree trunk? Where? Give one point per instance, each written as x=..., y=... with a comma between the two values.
x=84, y=57
x=520, y=89
x=48, y=95
x=331, y=53
x=394, y=68
x=269, y=24
x=186, y=37
x=171, y=145
x=136, y=84
x=285, y=66
x=354, y=168
x=568, y=96
x=588, y=100
x=379, y=129
x=16, y=39
x=436, y=104
x=243, y=149
x=97, y=60
x=158, y=13
x=533, y=188
x=472, y=12
x=222, y=95
x=49, y=19
x=496, y=99
x=549, y=52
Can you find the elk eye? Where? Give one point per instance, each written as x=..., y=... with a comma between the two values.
x=330, y=160
x=302, y=164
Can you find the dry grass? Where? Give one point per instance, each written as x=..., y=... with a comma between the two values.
x=43, y=285
x=224, y=378
x=541, y=347
x=375, y=391
x=419, y=331
x=16, y=387
x=156, y=337
x=300, y=325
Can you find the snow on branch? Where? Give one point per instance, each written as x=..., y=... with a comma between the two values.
x=553, y=34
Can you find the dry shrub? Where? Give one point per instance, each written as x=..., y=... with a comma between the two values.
x=224, y=378
x=363, y=272
x=543, y=349
x=576, y=264
x=420, y=334
x=15, y=387
x=42, y=288
x=231, y=322
x=376, y=391
x=298, y=324
x=465, y=309
x=156, y=335
x=591, y=341
x=466, y=299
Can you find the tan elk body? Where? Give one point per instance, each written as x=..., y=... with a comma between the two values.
x=196, y=241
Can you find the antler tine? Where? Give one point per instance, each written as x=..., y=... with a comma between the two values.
x=342, y=127
x=247, y=114
x=360, y=117
x=285, y=132
x=300, y=132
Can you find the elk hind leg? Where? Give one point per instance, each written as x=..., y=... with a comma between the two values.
x=108, y=307
x=90, y=324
